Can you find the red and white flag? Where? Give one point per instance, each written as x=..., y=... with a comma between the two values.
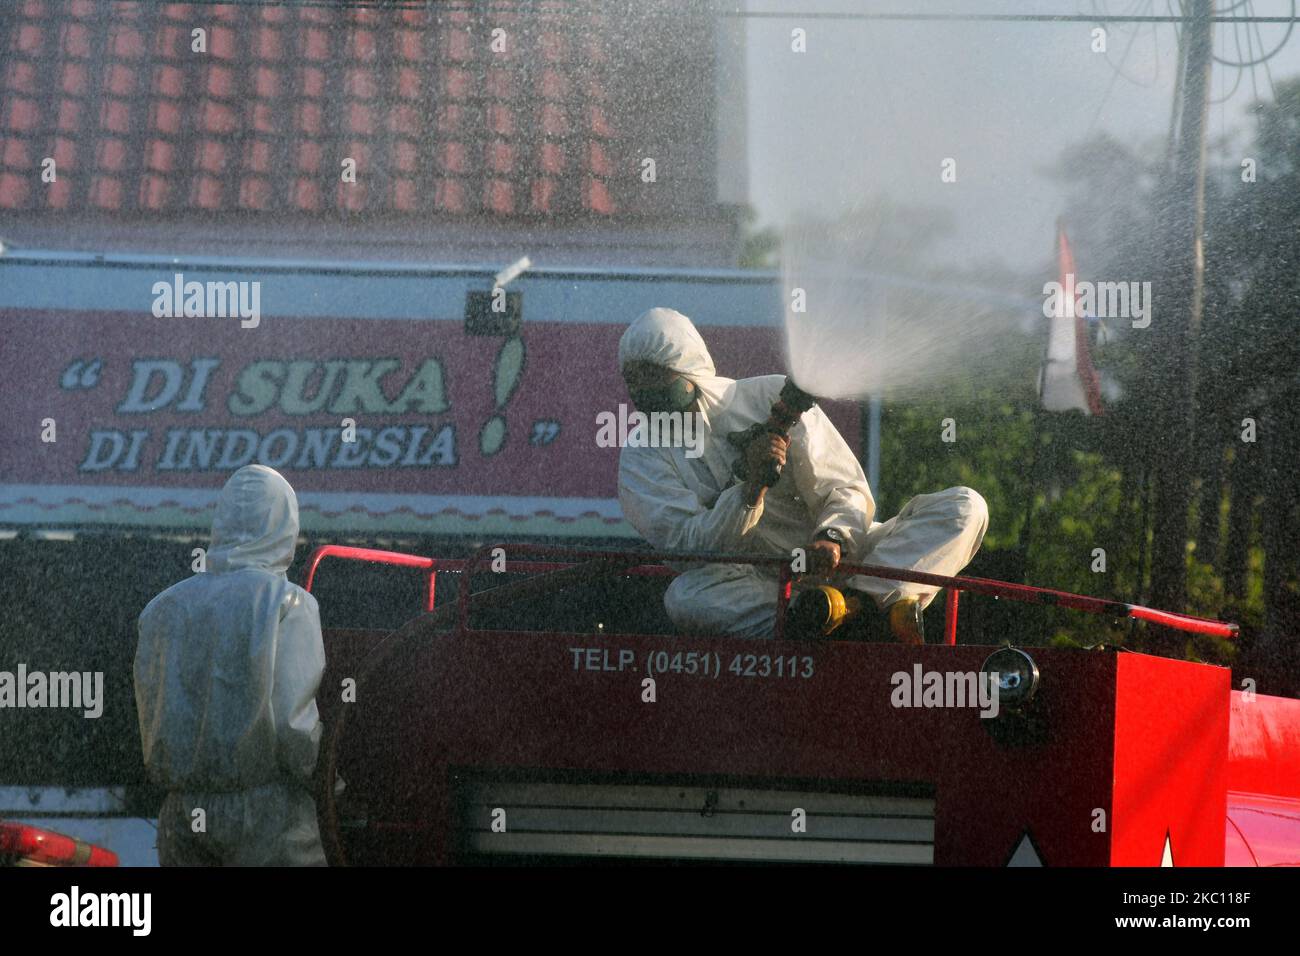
x=1068, y=378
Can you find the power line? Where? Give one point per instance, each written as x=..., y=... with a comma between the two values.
x=1110, y=88
x=999, y=17
x=1262, y=57
x=520, y=6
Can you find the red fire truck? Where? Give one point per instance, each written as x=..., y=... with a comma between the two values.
x=459, y=738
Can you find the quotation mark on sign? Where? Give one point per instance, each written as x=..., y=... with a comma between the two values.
x=544, y=432
x=82, y=374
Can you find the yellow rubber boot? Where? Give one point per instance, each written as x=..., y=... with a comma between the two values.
x=818, y=611
x=905, y=621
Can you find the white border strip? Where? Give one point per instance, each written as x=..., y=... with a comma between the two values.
x=31, y=504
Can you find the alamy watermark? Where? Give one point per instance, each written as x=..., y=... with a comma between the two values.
x=208, y=300
x=82, y=691
x=634, y=429
x=922, y=688
x=1102, y=300
x=75, y=908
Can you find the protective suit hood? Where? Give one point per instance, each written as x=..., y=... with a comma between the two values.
x=256, y=525
x=666, y=337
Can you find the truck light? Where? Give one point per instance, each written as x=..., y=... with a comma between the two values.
x=1017, y=677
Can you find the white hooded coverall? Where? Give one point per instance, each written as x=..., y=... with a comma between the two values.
x=226, y=673
x=695, y=504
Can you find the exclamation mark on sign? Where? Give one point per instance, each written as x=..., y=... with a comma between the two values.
x=509, y=370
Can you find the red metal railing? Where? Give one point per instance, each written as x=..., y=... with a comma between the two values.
x=435, y=565
x=650, y=563
x=950, y=616
x=380, y=557
x=955, y=585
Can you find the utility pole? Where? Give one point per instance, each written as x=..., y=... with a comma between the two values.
x=1177, y=318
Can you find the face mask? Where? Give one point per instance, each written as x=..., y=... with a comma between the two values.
x=677, y=397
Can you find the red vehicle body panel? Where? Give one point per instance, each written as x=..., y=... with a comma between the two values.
x=1171, y=745
x=1142, y=739
x=1137, y=759
x=1264, y=781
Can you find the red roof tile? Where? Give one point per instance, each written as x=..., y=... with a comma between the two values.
x=437, y=122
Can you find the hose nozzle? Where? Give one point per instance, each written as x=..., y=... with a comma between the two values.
x=790, y=405
x=783, y=416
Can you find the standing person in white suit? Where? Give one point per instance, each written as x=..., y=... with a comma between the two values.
x=821, y=501
x=226, y=673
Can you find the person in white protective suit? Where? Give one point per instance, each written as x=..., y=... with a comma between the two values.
x=226, y=673
x=821, y=502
